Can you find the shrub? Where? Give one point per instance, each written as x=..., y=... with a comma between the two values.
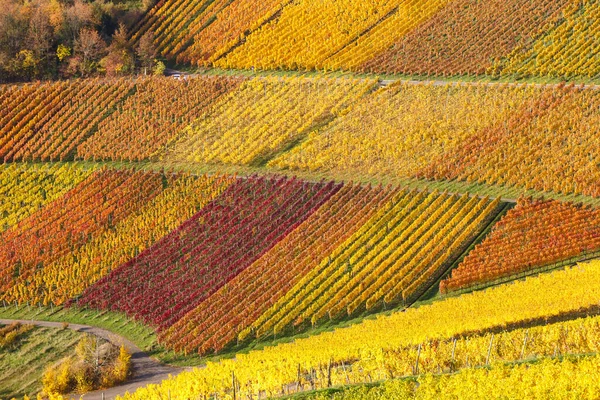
x=96, y=365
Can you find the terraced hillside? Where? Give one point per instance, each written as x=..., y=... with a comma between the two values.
x=335, y=128
x=381, y=348
x=165, y=248
x=515, y=39
x=304, y=213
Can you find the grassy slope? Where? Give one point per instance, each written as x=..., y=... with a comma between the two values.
x=142, y=335
x=21, y=367
x=145, y=338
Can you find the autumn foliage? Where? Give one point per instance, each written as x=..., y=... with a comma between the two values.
x=186, y=266
x=382, y=347
x=216, y=322
x=532, y=235
x=466, y=37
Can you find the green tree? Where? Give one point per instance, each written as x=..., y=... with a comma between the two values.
x=63, y=52
x=159, y=68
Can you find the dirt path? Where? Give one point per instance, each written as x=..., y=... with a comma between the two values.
x=145, y=369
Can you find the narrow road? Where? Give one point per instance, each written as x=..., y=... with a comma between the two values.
x=145, y=369
x=387, y=82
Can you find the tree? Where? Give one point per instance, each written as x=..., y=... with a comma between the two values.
x=120, y=58
x=159, y=69
x=119, y=39
x=56, y=16
x=13, y=26
x=76, y=18
x=39, y=36
x=63, y=52
x=26, y=63
x=13, y=30
x=146, y=50
x=122, y=366
x=51, y=38
x=90, y=48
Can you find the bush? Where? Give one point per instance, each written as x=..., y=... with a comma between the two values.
x=84, y=376
x=58, y=378
x=96, y=365
x=10, y=333
x=122, y=366
x=159, y=68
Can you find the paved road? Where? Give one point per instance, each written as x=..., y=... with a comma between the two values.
x=145, y=369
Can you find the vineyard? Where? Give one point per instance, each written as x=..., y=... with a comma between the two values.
x=534, y=234
x=466, y=36
x=48, y=121
x=384, y=246
x=566, y=50
x=165, y=107
x=216, y=322
x=322, y=127
x=347, y=276
x=513, y=39
x=536, y=381
x=307, y=33
x=20, y=350
x=376, y=349
x=263, y=118
x=218, y=243
x=430, y=131
x=92, y=207
x=522, y=152
x=175, y=199
x=375, y=199
x=388, y=260
x=278, y=255
x=408, y=125
x=26, y=188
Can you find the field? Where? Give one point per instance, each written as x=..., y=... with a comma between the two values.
x=342, y=128
x=202, y=233
x=340, y=200
x=22, y=363
x=533, y=235
x=571, y=375
x=359, y=352
x=515, y=39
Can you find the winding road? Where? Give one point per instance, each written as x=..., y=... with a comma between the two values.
x=145, y=369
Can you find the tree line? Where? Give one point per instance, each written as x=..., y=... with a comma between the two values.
x=53, y=39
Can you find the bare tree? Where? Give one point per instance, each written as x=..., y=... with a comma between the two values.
x=40, y=32
x=77, y=17
x=90, y=47
x=120, y=58
x=146, y=51
x=13, y=26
